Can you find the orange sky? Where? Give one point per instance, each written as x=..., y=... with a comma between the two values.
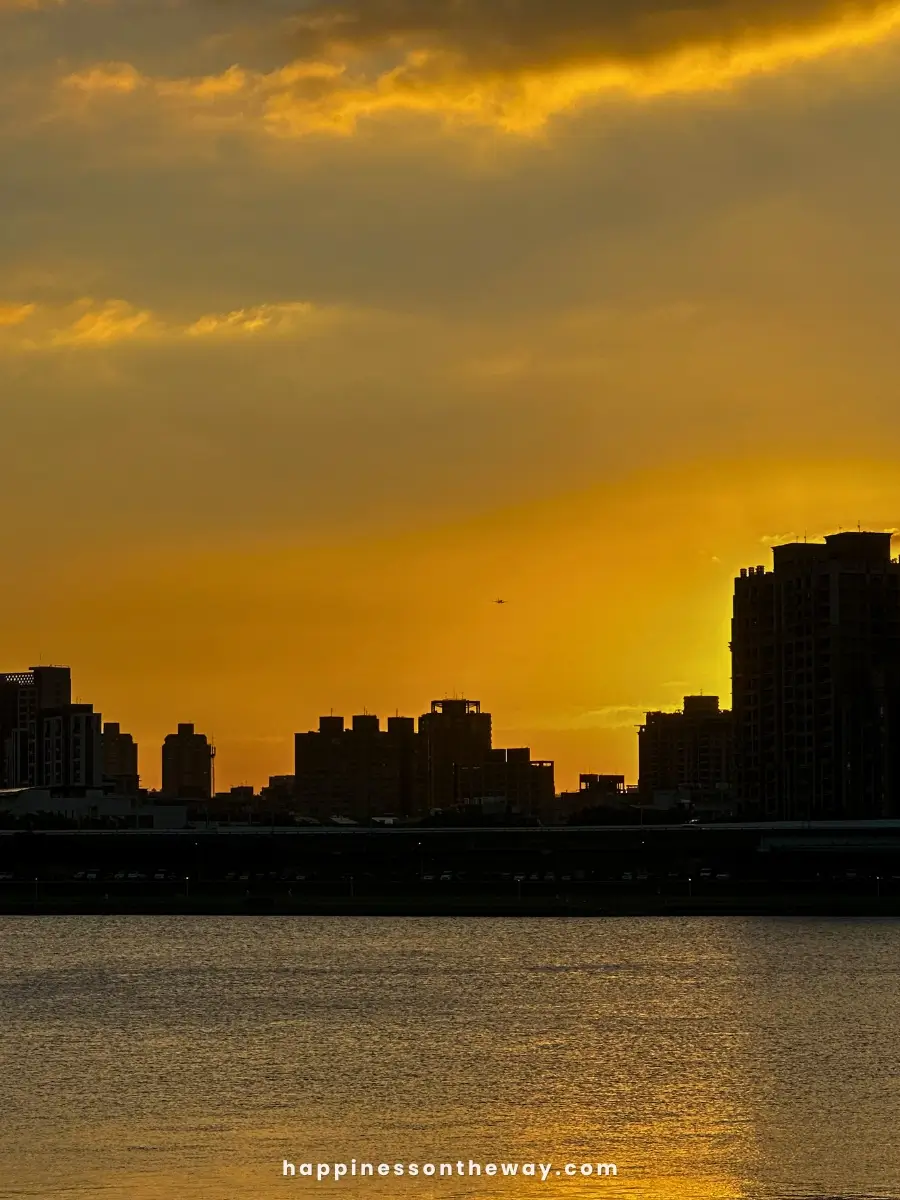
x=317, y=336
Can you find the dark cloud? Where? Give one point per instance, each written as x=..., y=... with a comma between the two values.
x=511, y=35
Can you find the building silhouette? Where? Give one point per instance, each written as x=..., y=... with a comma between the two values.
x=508, y=781
x=815, y=649
x=187, y=759
x=45, y=739
x=71, y=750
x=406, y=771
x=120, y=760
x=359, y=772
x=597, y=793
x=279, y=793
x=454, y=734
x=689, y=751
x=602, y=789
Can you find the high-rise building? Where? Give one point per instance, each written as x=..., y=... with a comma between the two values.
x=187, y=759
x=70, y=747
x=365, y=771
x=120, y=760
x=45, y=739
x=361, y=772
x=11, y=689
x=815, y=648
x=689, y=751
x=456, y=733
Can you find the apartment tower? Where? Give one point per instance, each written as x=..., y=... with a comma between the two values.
x=815, y=647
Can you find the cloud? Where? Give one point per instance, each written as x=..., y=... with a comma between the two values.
x=114, y=321
x=511, y=66
x=90, y=323
x=518, y=62
x=779, y=539
x=263, y=318
x=610, y=716
x=15, y=314
x=514, y=35
x=613, y=716
x=107, y=77
x=29, y=5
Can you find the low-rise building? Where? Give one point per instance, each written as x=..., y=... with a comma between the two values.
x=87, y=806
x=594, y=792
x=510, y=781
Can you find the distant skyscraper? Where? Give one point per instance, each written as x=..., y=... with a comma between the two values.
x=120, y=759
x=187, y=764
x=816, y=680
x=45, y=739
x=690, y=750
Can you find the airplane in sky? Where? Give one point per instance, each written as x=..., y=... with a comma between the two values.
x=499, y=601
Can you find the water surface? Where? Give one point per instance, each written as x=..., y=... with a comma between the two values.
x=708, y=1058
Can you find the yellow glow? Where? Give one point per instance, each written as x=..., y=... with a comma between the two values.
x=619, y=601
x=754, y=317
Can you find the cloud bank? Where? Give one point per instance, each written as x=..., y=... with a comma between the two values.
x=511, y=65
x=514, y=35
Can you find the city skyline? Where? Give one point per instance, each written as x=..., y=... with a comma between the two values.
x=309, y=351
x=568, y=771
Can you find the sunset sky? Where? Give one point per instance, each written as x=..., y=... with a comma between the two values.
x=324, y=324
